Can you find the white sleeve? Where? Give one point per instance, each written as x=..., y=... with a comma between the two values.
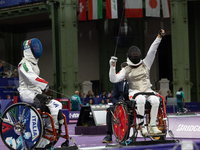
x=148, y=60
x=27, y=70
x=114, y=78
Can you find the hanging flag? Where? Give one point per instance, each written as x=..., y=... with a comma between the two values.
x=95, y=9
x=153, y=8
x=133, y=9
x=165, y=8
x=82, y=10
x=111, y=9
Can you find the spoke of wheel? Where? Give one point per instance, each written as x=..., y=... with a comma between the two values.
x=24, y=143
x=6, y=121
x=125, y=120
x=113, y=115
x=22, y=113
x=12, y=115
x=118, y=110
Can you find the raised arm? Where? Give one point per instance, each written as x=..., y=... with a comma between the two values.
x=148, y=60
x=114, y=78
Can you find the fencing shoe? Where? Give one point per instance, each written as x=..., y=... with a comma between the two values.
x=107, y=139
x=144, y=131
x=154, y=129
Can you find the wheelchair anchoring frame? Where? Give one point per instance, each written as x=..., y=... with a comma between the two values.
x=131, y=111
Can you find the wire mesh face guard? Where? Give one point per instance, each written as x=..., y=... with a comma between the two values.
x=35, y=45
x=134, y=54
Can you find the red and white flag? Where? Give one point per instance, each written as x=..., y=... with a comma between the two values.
x=153, y=8
x=82, y=10
x=133, y=9
x=111, y=9
x=166, y=8
x=95, y=9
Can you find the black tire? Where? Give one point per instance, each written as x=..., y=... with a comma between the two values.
x=121, y=123
x=26, y=118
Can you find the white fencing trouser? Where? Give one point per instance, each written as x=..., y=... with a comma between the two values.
x=28, y=97
x=140, y=102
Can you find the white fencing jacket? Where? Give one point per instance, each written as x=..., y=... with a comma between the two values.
x=29, y=74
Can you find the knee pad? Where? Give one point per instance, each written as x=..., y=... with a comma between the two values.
x=140, y=100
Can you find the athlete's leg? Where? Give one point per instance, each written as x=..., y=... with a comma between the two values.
x=54, y=107
x=154, y=101
x=140, y=103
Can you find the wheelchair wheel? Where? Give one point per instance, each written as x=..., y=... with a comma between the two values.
x=161, y=124
x=120, y=123
x=21, y=127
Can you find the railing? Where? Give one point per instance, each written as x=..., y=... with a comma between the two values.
x=7, y=70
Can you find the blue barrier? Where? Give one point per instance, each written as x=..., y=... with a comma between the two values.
x=5, y=104
x=8, y=86
x=192, y=106
x=6, y=3
x=66, y=112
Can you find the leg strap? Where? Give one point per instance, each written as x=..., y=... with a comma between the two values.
x=40, y=101
x=43, y=99
x=140, y=117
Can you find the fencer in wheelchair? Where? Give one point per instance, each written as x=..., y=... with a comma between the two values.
x=137, y=75
x=31, y=85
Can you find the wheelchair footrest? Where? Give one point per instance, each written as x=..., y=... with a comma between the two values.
x=155, y=135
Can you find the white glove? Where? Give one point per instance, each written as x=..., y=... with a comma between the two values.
x=113, y=61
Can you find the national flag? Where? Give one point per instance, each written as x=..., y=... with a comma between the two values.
x=95, y=9
x=166, y=8
x=133, y=9
x=26, y=44
x=111, y=9
x=153, y=8
x=82, y=10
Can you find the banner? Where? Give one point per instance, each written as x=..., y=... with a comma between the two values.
x=111, y=9
x=95, y=9
x=153, y=8
x=133, y=9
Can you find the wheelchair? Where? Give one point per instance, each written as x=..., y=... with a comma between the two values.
x=25, y=128
x=124, y=117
